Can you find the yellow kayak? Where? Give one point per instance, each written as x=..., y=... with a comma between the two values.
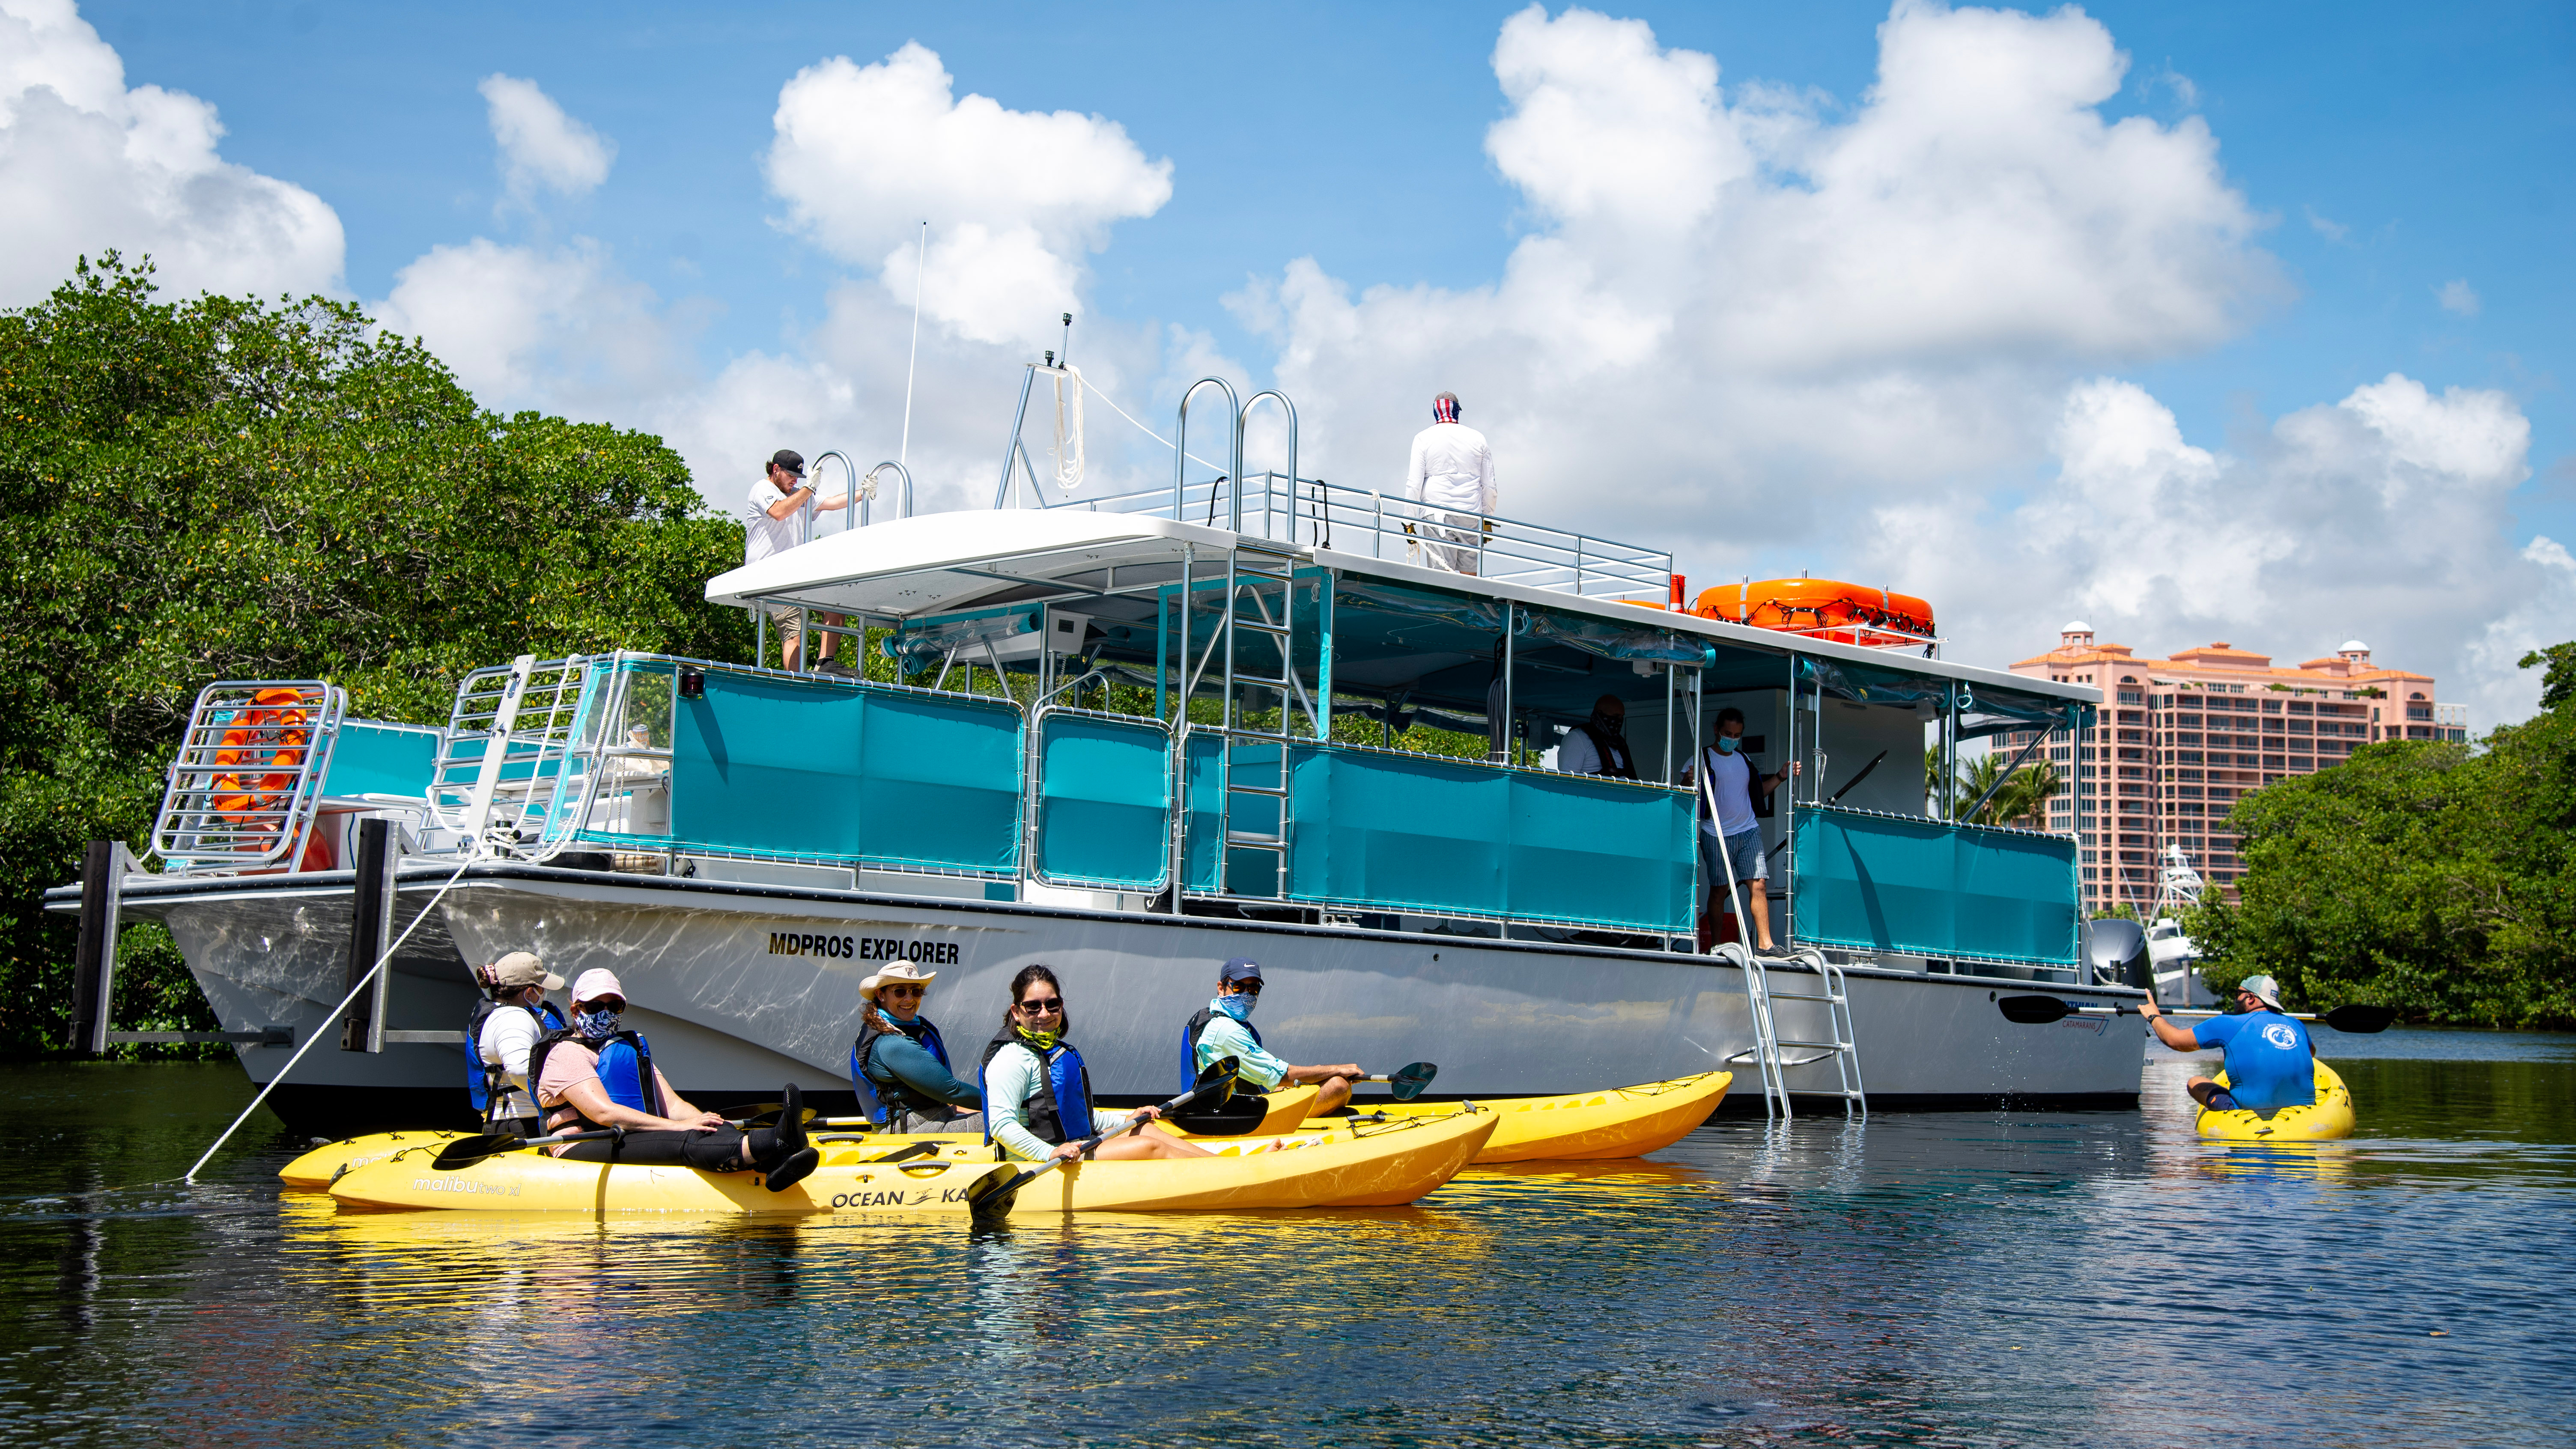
x=1618, y=1122
x=314, y=1171
x=1391, y=1163
x=2328, y=1120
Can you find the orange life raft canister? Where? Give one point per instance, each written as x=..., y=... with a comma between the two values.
x=1821, y=609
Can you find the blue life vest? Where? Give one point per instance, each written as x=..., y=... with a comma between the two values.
x=883, y=1096
x=1190, y=1047
x=625, y=1071
x=1059, y=1110
x=481, y=1076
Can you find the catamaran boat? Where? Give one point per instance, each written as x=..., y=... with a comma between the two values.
x=1131, y=737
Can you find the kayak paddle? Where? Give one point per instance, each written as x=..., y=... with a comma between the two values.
x=2356, y=1018
x=467, y=1151
x=991, y=1198
x=1407, y=1082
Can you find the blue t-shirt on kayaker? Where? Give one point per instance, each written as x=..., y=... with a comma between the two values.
x=2270, y=1064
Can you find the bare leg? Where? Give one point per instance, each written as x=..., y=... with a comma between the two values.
x=2202, y=1089
x=790, y=644
x=1336, y=1092
x=1759, y=901
x=1152, y=1143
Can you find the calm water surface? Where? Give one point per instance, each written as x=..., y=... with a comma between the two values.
x=2010, y=1278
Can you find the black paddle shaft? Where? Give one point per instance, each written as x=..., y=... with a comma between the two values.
x=2357, y=1018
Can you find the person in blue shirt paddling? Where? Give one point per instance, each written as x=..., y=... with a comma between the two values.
x=1225, y=1029
x=2270, y=1064
x=899, y=1064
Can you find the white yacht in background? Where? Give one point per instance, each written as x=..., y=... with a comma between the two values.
x=1136, y=736
x=2176, y=960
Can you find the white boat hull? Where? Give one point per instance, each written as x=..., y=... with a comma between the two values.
x=744, y=987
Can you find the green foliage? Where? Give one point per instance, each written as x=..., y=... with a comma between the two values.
x=2122, y=911
x=2558, y=684
x=218, y=488
x=2423, y=876
x=2022, y=801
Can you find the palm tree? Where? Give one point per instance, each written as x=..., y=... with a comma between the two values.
x=2023, y=799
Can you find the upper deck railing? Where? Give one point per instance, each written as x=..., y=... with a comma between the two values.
x=1311, y=513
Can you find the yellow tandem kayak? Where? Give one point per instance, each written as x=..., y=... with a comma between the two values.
x=1389, y=1163
x=2329, y=1119
x=1617, y=1122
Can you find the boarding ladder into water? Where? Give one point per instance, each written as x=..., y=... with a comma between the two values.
x=1837, y=1040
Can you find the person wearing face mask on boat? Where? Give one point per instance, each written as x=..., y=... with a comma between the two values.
x=1740, y=790
x=597, y=1074
x=899, y=1064
x=1224, y=1029
x=1599, y=745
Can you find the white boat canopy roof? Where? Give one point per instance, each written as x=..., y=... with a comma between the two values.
x=944, y=562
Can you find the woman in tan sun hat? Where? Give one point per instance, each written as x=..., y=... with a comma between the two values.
x=898, y=1065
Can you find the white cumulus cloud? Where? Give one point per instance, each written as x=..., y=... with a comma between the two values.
x=88, y=164
x=1015, y=199
x=1739, y=296
x=2384, y=516
x=540, y=145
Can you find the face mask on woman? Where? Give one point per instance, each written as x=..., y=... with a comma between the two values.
x=595, y=1025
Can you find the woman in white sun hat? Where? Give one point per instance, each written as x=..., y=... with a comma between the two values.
x=899, y=1066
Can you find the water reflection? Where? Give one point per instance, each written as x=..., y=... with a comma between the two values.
x=2040, y=1277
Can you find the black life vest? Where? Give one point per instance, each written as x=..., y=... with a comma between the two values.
x=625, y=1070
x=1198, y=1023
x=1059, y=1110
x=484, y=1080
x=1612, y=750
x=883, y=1094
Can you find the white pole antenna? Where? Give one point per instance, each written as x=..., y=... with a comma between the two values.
x=903, y=454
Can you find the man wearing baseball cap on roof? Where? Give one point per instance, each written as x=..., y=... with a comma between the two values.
x=769, y=527
x=2269, y=1062
x=598, y=1073
x=504, y=1026
x=1224, y=1029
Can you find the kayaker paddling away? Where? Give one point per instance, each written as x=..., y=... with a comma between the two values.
x=596, y=1075
x=2270, y=1063
x=1037, y=1096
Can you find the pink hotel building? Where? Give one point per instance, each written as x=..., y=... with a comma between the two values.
x=2179, y=739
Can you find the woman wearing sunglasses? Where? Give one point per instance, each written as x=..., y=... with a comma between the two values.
x=1037, y=1097
x=899, y=1064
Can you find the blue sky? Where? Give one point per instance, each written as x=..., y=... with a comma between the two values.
x=2377, y=153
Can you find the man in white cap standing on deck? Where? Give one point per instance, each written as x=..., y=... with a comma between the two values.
x=769, y=527
x=1451, y=478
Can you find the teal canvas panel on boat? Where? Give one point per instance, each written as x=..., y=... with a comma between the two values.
x=373, y=758
x=1922, y=887
x=1385, y=829
x=774, y=765
x=1104, y=801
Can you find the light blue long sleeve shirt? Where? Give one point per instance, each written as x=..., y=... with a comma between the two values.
x=1226, y=1037
x=1012, y=1077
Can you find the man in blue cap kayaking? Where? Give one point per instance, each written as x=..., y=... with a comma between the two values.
x=1224, y=1029
x=2270, y=1064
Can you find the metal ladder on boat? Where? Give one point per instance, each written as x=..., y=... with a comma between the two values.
x=1834, y=996
x=1255, y=575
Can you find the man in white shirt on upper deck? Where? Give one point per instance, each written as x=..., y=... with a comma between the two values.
x=1451, y=478
x=769, y=527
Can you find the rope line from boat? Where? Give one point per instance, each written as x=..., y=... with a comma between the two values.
x=337, y=1012
x=1094, y=389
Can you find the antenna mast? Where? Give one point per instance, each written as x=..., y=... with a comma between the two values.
x=903, y=454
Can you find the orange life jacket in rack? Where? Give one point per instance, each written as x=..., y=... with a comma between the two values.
x=260, y=754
